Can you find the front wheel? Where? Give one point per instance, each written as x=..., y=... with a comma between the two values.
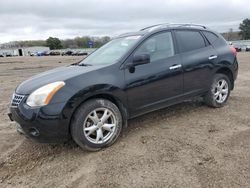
x=219, y=91
x=96, y=124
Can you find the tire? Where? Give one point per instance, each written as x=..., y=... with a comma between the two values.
x=96, y=124
x=212, y=98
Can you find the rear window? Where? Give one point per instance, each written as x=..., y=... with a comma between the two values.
x=189, y=40
x=211, y=37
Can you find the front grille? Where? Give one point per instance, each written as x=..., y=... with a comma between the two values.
x=16, y=100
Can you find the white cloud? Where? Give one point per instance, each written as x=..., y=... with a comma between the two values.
x=27, y=19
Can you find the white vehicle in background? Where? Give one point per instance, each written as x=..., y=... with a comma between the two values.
x=247, y=48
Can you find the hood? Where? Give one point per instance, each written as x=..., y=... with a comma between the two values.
x=58, y=74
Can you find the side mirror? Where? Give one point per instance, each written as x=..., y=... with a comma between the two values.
x=141, y=59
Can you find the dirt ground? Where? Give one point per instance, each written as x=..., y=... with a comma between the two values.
x=186, y=145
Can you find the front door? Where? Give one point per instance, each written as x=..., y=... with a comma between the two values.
x=154, y=84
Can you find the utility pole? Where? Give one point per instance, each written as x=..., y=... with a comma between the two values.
x=230, y=34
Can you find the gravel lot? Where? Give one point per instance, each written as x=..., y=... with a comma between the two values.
x=186, y=145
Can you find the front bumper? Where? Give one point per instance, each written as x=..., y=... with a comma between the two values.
x=46, y=124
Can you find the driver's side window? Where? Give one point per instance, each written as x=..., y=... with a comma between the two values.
x=159, y=46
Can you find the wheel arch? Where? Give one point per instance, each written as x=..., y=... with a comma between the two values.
x=226, y=71
x=113, y=99
x=107, y=96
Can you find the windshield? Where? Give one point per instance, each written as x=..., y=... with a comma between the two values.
x=112, y=51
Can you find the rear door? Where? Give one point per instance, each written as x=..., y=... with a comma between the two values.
x=198, y=59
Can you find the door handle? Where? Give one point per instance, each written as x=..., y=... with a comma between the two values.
x=212, y=57
x=174, y=67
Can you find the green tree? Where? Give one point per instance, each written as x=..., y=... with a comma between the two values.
x=99, y=41
x=69, y=43
x=81, y=42
x=245, y=29
x=53, y=43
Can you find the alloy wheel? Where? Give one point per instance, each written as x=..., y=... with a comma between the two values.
x=220, y=91
x=100, y=125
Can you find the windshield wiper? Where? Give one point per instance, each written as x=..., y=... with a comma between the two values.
x=84, y=65
x=80, y=64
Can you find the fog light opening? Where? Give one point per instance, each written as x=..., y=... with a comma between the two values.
x=34, y=132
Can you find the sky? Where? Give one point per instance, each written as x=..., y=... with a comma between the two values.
x=32, y=19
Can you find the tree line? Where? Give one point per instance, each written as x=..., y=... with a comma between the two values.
x=82, y=42
x=56, y=43
x=242, y=34
x=96, y=42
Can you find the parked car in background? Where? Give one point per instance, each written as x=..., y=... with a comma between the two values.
x=247, y=48
x=67, y=53
x=54, y=53
x=74, y=53
x=131, y=75
x=1, y=55
x=37, y=54
x=8, y=55
x=237, y=47
x=46, y=53
x=81, y=53
x=40, y=54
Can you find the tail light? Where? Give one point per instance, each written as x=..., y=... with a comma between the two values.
x=233, y=50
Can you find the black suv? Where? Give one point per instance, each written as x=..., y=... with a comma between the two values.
x=133, y=74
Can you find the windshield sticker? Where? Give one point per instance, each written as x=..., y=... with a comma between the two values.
x=133, y=37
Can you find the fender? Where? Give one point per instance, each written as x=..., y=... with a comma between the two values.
x=228, y=69
x=101, y=91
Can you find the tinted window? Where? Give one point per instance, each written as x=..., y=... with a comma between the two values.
x=189, y=40
x=211, y=37
x=159, y=46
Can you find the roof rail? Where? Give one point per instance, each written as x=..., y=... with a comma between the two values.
x=170, y=25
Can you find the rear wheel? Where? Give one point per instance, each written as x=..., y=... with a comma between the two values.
x=219, y=91
x=96, y=124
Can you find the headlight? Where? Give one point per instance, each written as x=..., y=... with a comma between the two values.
x=43, y=95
